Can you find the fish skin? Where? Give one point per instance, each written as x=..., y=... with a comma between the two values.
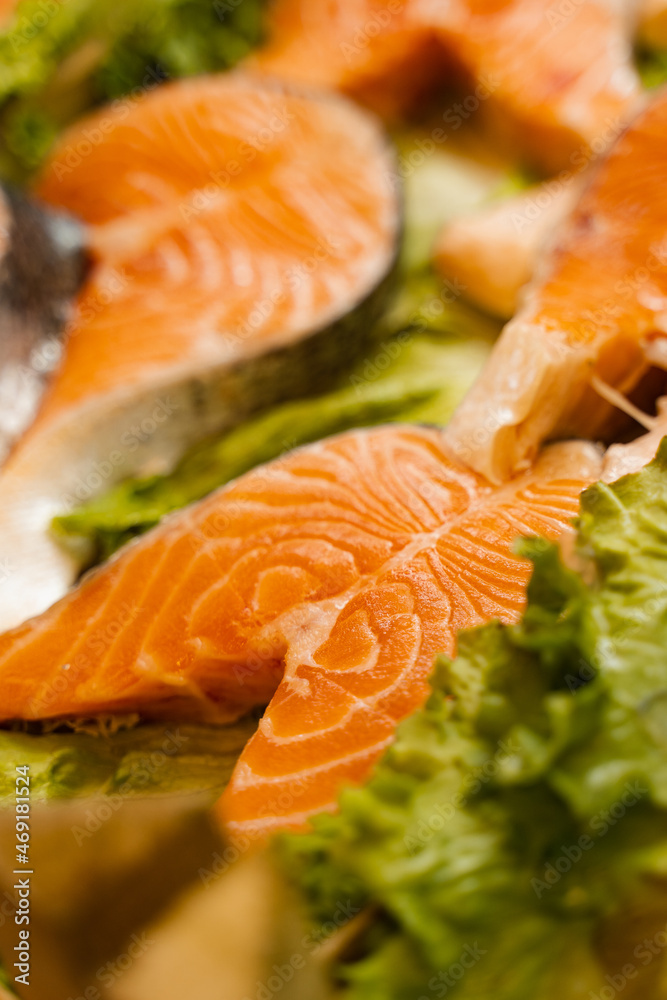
x=157, y=357
x=538, y=383
x=43, y=262
x=324, y=583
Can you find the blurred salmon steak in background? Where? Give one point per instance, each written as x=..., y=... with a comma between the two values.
x=394, y=54
x=331, y=610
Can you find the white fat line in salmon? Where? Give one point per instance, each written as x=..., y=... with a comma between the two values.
x=96, y=644
x=202, y=197
x=291, y=280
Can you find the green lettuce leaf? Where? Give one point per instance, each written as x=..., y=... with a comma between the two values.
x=513, y=841
x=58, y=59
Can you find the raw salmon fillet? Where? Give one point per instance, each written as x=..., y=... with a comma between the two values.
x=551, y=83
x=323, y=583
x=245, y=235
x=594, y=319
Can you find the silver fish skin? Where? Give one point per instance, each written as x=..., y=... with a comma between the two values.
x=42, y=265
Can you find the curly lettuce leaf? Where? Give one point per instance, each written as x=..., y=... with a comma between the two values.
x=513, y=840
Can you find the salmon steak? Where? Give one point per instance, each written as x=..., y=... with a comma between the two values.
x=392, y=55
x=322, y=584
x=592, y=323
x=244, y=236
